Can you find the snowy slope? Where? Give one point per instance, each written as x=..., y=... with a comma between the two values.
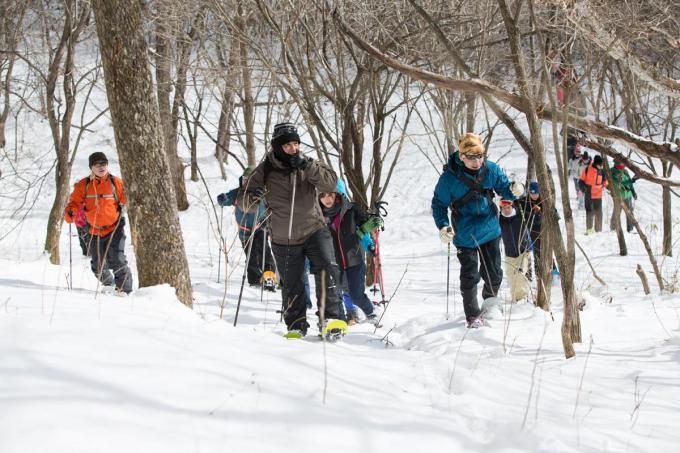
x=88, y=372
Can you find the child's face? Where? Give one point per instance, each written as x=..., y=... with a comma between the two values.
x=327, y=199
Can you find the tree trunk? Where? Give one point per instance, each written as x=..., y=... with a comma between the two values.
x=667, y=214
x=227, y=110
x=164, y=86
x=156, y=233
x=75, y=20
x=247, y=86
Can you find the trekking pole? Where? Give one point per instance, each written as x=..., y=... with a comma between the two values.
x=264, y=257
x=70, y=259
x=245, y=270
x=380, y=274
x=284, y=288
x=448, y=276
x=219, y=262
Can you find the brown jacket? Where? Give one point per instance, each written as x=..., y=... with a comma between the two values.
x=277, y=191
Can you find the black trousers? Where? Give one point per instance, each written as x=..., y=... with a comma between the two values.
x=482, y=262
x=254, y=271
x=290, y=260
x=84, y=238
x=108, y=259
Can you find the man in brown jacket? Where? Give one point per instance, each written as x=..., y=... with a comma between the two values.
x=289, y=183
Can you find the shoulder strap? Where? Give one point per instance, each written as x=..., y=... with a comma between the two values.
x=266, y=169
x=114, y=190
x=474, y=187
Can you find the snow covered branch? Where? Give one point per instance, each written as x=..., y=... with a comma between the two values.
x=664, y=151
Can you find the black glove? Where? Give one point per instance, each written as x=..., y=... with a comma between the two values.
x=299, y=161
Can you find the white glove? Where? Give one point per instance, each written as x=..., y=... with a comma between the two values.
x=446, y=234
x=517, y=189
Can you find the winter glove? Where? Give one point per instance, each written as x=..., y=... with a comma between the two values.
x=372, y=224
x=299, y=161
x=228, y=198
x=367, y=243
x=68, y=217
x=517, y=189
x=446, y=234
x=80, y=219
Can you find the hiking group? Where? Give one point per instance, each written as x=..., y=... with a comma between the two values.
x=295, y=217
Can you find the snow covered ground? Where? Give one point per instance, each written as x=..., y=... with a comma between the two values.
x=88, y=372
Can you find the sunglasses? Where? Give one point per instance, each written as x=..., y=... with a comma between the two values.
x=473, y=156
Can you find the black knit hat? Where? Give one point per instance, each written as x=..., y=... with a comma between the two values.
x=597, y=160
x=97, y=158
x=284, y=133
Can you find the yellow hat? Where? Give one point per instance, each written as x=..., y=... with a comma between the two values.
x=470, y=144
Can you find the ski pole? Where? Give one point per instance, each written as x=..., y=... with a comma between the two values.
x=264, y=252
x=219, y=262
x=380, y=273
x=448, y=277
x=70, y=259
x=243, y=278
x=284, y=288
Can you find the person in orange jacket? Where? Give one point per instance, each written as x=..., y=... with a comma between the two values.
x=593, y=181
x=102, y=197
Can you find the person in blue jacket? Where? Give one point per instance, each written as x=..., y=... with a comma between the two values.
x=247, y=221
x=467, y=187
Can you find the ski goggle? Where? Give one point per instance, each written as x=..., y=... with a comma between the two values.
x=473, y=156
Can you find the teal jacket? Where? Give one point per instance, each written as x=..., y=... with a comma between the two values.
x=623, y=184
x=476, y=222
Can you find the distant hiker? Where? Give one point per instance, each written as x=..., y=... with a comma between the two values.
x=102, y=196
x=344, y=220
x=593, y=181
x=623, y=185
x=532, y=217
x=467, y=186
x=516, y=246
x=249, y=219
x=289, y=183
x=575, y=169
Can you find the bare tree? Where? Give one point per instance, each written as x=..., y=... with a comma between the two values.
x=76, y=16
x=156, y=233
x=11, y=24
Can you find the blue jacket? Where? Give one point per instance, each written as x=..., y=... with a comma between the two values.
x=246, y=220
x=477, y=220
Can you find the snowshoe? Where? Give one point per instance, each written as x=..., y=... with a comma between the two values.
x=334, y=330
x=492, y=308
x=269, y=281
x=294, y=334
x=373, y=319
x=476, y=323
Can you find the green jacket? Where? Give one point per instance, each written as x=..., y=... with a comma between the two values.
x=623, y=184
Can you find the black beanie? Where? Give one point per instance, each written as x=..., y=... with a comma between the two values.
x=597, y=160
x=284, y=133
x=96, y=158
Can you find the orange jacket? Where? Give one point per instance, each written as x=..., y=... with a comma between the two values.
x=594, y=179
x=101, y=210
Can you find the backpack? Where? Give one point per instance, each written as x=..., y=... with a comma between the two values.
x=113, y=190
x=474, y=188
